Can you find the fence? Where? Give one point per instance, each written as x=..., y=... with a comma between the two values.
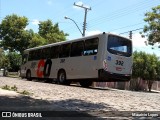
x=134, y=84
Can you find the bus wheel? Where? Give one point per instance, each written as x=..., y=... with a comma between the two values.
x=62, y=78
x=86, y=84
x=28, y=75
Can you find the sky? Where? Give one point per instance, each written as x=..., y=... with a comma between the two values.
x=114, y=16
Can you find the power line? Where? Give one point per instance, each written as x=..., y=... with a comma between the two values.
x=131, y=32
x=118, y=14
x=127, y=26
x=122, y=11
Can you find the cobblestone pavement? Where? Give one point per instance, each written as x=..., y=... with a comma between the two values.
x=94, y=101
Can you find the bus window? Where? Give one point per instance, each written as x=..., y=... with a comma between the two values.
x=37, y=54
x=64, y=50
x=91, y=46
x=31, y=54
x=77, y=48
x=54, y=52
x=119, y=45
x=45, y=53
x=34, y=55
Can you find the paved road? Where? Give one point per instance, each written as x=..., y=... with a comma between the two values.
x=21, y=106
x=95, y=102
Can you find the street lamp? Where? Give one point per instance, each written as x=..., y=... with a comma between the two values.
x=75, y=24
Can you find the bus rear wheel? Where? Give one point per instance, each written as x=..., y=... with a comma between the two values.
x=62, y=78
x=85, y=84
x=28, y=75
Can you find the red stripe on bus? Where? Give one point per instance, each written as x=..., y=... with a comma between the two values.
x=39, y=70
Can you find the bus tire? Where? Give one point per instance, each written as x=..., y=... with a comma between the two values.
x=85, y=83
x=62, y=78
x=28, y=75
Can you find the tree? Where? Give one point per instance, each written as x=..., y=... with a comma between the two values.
x=4, y=61
x=14, y=60
x=15, y=38
x=10, y=60
x=51, y=32
x=36, y=41
x=158, y=70
x=139, y=64
x=146, y=66
x=13, y=34
x=152, y=30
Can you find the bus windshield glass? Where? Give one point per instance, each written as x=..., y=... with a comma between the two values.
x=119, y=46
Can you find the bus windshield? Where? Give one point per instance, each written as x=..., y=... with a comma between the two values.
x=119, y=46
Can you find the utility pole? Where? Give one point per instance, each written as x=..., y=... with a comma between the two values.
x=85, y=16
x=130, y=34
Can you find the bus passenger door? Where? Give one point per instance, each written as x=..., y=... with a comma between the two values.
x=23, y=66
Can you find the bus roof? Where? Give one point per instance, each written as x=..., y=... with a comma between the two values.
x=74, y=40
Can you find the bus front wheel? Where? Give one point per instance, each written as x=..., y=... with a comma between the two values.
x=86, y=83
x=28, y=75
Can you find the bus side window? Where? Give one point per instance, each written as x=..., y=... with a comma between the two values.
x=31, y=54
x=91, y=46
x=64, y=50
x=37, y=54
x=77, y=49
x=45, y=53
x=54, y=52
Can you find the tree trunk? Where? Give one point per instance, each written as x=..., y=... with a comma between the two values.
x=150, y=82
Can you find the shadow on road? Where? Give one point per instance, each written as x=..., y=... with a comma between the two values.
x=62, y=109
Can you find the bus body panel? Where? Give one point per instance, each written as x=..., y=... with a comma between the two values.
x=84, y=67
x=55, y=68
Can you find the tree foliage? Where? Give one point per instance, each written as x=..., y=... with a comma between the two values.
x=146, y=66
x=10, y=60
x=36, y=41
x=4, y=61
x=51, y=32
x=152, y=30
x=14, y=61
x=13, y=34
x=14, y=38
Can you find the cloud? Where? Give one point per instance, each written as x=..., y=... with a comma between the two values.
x=49, y=2
x=35, y=22
x=88, y=33
x=79, y=3
x=138, y=41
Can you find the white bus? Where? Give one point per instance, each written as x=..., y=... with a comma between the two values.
x=101, y=57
